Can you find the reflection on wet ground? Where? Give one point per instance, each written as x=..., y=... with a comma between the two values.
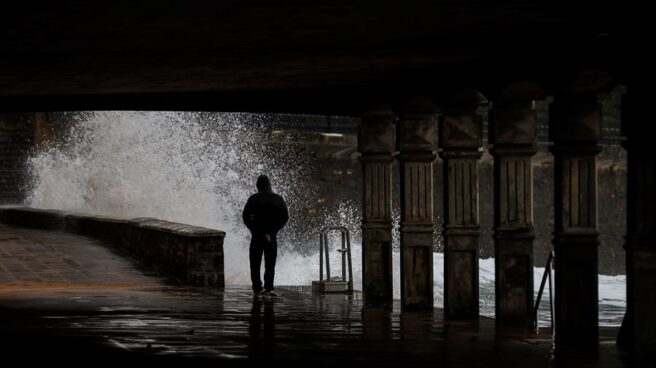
x=68, y=300
x=175, y=326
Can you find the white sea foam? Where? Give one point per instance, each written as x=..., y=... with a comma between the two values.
x=185, y=167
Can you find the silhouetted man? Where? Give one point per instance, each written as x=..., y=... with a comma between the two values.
x=265, y=214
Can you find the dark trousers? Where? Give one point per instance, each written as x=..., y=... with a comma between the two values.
x=270, y=251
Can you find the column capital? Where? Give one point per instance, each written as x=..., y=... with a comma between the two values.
x=461, y=125
x=575, y=119
x=417, y=128
x=461, y=132
x=514, y=126
x=377, y=134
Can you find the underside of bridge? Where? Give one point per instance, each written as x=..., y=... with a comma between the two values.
x=290, y=56
x=420, y=75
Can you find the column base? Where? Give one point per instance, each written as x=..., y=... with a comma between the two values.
x=461, y=274
x=576, y=289
x=417, y=268
x=514, y=278
x=377, y=281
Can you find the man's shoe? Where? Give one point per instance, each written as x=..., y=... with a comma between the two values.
x=270, y=293
x=259, y=292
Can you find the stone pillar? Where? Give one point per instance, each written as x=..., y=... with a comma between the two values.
x=377, y=144
x=639, y=327
x=513, y=123
x=417, y=145
x=461, y=147
x=575, y=128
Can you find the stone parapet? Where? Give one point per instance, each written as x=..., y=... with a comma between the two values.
x=188, y=254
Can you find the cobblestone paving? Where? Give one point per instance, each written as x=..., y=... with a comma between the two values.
x=35, y=258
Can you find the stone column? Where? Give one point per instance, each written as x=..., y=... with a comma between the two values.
x=513, y=123
x=461, y=148
x=639, y=327
x=417, y=145
x=377, y=144
x=575, y=128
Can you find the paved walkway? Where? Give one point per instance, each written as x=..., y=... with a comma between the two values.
x=34, y=258
x=71, y=301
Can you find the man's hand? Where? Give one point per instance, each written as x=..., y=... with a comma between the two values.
x=267, y=238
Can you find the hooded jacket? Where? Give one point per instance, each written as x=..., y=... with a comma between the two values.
x=265, y=212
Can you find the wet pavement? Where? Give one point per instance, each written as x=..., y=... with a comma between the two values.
x=111, y=313
x=45, y=259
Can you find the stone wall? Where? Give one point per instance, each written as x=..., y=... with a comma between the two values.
x=187, y=254
x=16, y=142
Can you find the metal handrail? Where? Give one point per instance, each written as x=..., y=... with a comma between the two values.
x=545, y=276
x=345, y=250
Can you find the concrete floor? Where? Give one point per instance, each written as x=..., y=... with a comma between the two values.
x=101, y=309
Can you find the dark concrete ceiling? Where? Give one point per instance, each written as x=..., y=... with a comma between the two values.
x=319, y=56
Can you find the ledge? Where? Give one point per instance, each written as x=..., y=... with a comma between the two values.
x=192, y=255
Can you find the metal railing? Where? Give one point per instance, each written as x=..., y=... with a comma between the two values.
x=345, y=250
x=536, y=308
